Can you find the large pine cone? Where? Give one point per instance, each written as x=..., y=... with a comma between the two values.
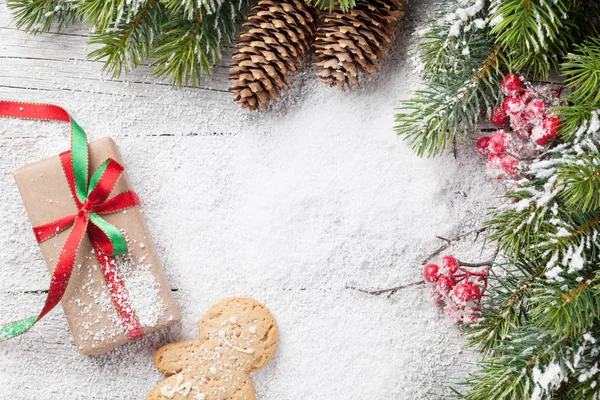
x=355, y=42
x=278, y=37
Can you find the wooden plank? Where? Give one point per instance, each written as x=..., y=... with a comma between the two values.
x=44, y=365
x=220, y=190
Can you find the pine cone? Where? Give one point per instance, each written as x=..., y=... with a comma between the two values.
x=356, y=41
x=278, y=37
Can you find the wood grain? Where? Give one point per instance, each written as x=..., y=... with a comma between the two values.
x=204, y=170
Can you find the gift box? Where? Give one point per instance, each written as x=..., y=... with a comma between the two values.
x=108, y=299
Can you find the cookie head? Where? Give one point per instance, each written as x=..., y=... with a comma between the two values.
x=244, y=327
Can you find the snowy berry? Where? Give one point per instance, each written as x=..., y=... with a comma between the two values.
x=467, y=291
x=549, y=130
x=471, y=314
x=526, y=96
x=535, y=111
x=437, y=297
x=450, y=263
x=521, y=125
x=482, y=146
x=494, y=161
x=509, y=164
x=511, y=84
x=446, y=283
x=513, y=106
x=431, y=273
x=556, y=93
x=498, y=117
x=498, y=142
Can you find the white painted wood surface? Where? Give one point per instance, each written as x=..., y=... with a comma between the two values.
x=290, y=206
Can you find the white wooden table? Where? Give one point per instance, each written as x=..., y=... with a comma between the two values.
x=290, y=206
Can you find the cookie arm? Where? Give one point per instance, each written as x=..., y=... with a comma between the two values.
x=173, y=358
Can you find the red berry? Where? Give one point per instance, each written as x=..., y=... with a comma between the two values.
x=513, y=105
x=535, y=111
x=450, y=263
x=498, y=117
x=550, y=128
x=446, y=283
x=511, y=84
x=482, y=146
x=467, y=291
x=462, y=292
x=494, y=161
x=475, y=289
x=431, y=272
x=509, y=164
x=498, y=142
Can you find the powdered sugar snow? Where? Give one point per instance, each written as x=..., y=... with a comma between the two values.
x=295, y=207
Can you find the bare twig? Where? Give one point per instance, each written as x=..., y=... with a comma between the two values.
x=390, y=292
x=449, y=242
x=454, y=147
x=487, y=263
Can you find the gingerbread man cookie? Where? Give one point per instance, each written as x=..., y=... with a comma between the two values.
x=237, y=336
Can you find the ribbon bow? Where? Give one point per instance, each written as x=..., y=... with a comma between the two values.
x=92, y=200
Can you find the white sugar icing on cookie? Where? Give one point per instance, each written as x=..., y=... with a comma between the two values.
x=180, y=387
x=223, y=337
x=252, y=330
x=200, y=396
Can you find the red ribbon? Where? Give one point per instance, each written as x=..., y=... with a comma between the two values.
x=97, y=202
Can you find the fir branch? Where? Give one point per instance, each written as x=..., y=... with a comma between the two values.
x=344, y=5
x=506, y=305
x=106, y=15
x=518, y=229
x=39, y=16
x=461, y=67
x=130, y=43
x=443, y=111
x=581, y=179
x=582, y=72
x=523, y=358
x=192, y=9
x=573, y=118
x=188, y=49
x=582, y=75
x=567, y=308
x=535, y=34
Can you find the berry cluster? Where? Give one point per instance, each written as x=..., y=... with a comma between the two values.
x=456, y=289
x=526, y=126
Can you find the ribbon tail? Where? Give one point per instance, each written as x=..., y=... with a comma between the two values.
x=119, y=294
x=59, y=282
x=107, y=237
x=36, y=111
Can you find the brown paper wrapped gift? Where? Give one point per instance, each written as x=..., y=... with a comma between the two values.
x=87, y=303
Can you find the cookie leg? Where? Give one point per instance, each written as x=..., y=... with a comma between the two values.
x=155, y=394
x=245, y=392
x=173, y=358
